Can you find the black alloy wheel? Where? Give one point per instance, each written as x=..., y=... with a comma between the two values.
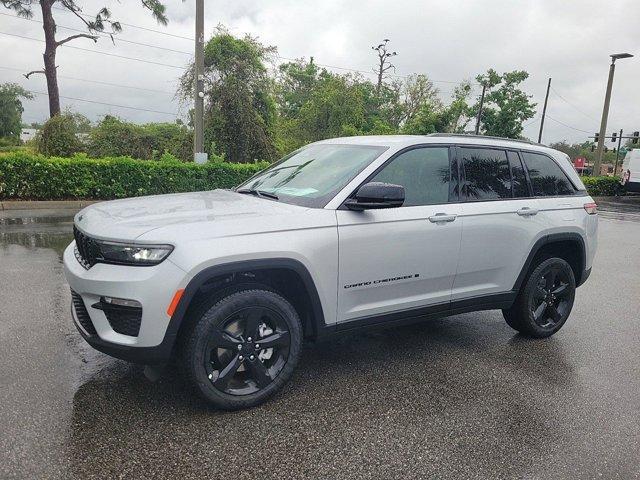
x=545, y=299
x=242, y=348
x=551, y=300
x=248, y=351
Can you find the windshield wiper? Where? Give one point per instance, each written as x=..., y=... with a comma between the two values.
x=258, y=193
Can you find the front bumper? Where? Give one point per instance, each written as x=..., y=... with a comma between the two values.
x=154, y=287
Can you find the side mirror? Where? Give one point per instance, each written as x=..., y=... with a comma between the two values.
x=377, y=195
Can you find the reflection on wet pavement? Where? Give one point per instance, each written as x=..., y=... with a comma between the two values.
x=457, y=397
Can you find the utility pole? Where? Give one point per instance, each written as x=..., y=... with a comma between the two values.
x=198, y=138
x=605, y=110
x=615, y=166
x=484, y=89
x=544, y=111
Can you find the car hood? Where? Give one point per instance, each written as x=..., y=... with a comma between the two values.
x=130, y=218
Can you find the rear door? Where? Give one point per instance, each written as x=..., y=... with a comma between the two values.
x=559, y=202
x=500, y=222
x=402, y=258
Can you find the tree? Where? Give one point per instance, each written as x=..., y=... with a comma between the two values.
x=59, y=136
x=432, y=116
x=384, y=62
x=240, y=110
x=418, y=90
x=506, y=106
x=11, y=110
x=113, y=137
x=93, y=25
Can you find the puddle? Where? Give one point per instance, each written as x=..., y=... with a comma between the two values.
x=31, y=240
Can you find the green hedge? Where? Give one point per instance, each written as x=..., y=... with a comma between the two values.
x=28, y=176
x=34, y=177
x=603, y=186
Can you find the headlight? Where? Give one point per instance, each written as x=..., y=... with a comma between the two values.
x=124, y=254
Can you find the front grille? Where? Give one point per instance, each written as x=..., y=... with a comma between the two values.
x=82, y=314
x=87, y=250
x=124, y=320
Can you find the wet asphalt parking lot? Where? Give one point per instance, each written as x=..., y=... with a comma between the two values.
x=461, y=397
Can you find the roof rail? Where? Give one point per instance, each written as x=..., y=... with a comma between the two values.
x=489, y=137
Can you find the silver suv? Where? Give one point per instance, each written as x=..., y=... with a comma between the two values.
x=342, y=234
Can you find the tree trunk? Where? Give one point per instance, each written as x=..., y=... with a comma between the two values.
x=49, y=26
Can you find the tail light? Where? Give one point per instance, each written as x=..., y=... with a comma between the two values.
x=591, y=208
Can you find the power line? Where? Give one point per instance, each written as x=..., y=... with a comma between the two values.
x=568, y=126
x=336, y=67
x=109, y=104
x=103, y=35
x=132, y=26
x=98, y=52
x=96, y=81
x=572, y=105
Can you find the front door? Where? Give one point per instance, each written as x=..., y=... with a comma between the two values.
x=406, y=257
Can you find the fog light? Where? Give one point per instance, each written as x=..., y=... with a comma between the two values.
x=121, y=302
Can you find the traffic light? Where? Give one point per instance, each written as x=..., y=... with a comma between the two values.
x=635, y=137
x=596, y=136
x=614, y=137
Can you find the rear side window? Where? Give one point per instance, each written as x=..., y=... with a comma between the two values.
x=520, y=187
x=547, y=178
x=487, y=174
x=424, y=174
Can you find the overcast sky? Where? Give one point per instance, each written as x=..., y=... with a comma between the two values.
x=449, y=41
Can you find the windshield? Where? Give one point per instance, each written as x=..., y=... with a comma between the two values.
x=314, y=174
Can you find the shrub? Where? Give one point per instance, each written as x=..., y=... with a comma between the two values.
x=603, y=186
x=35, y=177
x=112, y=137
x=58, y=136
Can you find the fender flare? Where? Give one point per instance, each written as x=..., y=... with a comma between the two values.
x=552, y=238
x=318, y=325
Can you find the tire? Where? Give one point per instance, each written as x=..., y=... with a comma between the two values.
x=545, y=299
x=226, y=356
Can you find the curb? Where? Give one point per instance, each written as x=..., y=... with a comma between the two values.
x=46, y=204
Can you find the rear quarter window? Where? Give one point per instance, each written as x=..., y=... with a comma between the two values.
x=547, y=178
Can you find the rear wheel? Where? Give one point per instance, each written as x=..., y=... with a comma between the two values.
x=545, y=299
x=243, y=349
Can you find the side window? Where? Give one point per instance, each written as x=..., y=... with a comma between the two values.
x=486, y=173
x=547, y=178
x=520, y=187
x=424, y=174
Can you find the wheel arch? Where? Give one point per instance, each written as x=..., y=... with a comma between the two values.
x=569, y=246
x=226, y=277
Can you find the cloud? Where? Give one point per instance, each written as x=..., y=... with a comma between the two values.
x=450, y=41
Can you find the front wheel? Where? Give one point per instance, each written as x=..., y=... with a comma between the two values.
x=545, y=300
x=243, y=349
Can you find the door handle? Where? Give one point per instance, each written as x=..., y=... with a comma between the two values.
x=441, y=218
x=527, y=212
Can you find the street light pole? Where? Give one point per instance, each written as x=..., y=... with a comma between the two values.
x=605, y=111
x=198, y=138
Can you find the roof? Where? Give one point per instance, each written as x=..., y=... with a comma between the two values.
x=401, y=141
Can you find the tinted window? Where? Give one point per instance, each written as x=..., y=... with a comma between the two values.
x=487, y=174
x=424, y=174
x=520, y=187
x=547, y=178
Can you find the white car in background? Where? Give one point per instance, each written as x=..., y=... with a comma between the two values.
x=630, y=174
